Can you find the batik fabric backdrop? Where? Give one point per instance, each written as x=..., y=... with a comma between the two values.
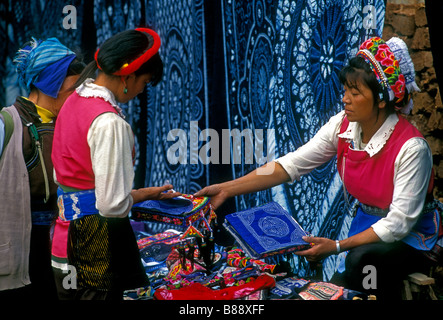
x=229, y=64
x=282, y=60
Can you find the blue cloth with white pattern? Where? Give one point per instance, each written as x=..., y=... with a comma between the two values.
x=266, y=230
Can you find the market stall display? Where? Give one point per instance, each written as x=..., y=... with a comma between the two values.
x=180, y=266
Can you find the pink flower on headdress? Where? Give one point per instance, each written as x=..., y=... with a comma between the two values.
x=368, y=44
x=399, y=87
x=384, y=55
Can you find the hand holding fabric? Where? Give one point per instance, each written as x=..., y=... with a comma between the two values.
x=215, y=192
x=320, y=249
x=154, y=193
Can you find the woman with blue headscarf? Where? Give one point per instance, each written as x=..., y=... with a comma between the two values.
x=47, y=70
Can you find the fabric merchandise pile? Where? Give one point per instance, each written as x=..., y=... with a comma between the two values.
x=183, y=262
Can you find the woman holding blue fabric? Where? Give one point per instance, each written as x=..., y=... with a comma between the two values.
x=384, y=162
x=93, y=158
x=47, y=70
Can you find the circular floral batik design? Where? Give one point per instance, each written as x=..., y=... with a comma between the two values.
x=282, y=62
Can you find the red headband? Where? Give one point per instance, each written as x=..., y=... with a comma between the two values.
x=129, y=68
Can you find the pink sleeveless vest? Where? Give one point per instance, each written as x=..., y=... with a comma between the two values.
x=70, y=152
x=371, y=180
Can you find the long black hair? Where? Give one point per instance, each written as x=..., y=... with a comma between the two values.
x=76, y=67
x=124, y=47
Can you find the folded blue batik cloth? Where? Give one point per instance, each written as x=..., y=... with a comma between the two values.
x=175, y=206
x=193, y=215
x=266, y=230
x=287, y=288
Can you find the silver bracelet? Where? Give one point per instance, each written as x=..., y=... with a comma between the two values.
x=337, y=244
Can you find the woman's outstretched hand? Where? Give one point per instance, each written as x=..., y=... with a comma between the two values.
x=154, y=193
x=217, y=195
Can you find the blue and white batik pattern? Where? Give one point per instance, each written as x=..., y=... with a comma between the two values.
x=281, y=59
x=282, y=62
x=181, y=97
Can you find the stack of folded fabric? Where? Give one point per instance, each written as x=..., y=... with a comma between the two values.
x=193, y=215
x=266, y=230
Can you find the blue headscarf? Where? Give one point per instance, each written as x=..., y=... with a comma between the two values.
x=43, y=64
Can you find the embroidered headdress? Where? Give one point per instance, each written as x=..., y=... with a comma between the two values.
x=400, y=50
x=385, y=66
x=134, y=65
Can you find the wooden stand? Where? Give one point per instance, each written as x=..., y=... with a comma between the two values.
x=418, y=283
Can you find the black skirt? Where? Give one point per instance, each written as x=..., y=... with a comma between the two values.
x=105, y=254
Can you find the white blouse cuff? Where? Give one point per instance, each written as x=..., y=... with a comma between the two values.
x=383, y=233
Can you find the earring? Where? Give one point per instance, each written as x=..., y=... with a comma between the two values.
x=123, y=80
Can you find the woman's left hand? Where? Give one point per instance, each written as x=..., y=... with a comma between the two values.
x=321, y=248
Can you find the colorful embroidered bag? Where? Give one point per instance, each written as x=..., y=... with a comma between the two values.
x=192, y=215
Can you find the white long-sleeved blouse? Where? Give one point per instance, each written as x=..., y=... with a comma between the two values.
x=111, y=141
x=412, y=167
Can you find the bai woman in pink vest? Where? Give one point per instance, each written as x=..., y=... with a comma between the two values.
x=93, y=154
x=383, y=161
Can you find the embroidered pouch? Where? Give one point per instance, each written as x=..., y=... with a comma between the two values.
x=188, y=213
x=154, y=249
x=168, y=237
x=322, y=291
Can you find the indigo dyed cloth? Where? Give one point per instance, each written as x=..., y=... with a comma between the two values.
x=51, y=79
x=282, y=59
x=175, y=206
x=287, y=288
x=266, y=230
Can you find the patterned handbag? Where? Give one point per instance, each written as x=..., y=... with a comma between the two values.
x=192, y=215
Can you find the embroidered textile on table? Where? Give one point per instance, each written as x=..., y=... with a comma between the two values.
x=155, y=249
x=322, y=291
x=266, y=230
x=193, y=215
x=282, y=62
